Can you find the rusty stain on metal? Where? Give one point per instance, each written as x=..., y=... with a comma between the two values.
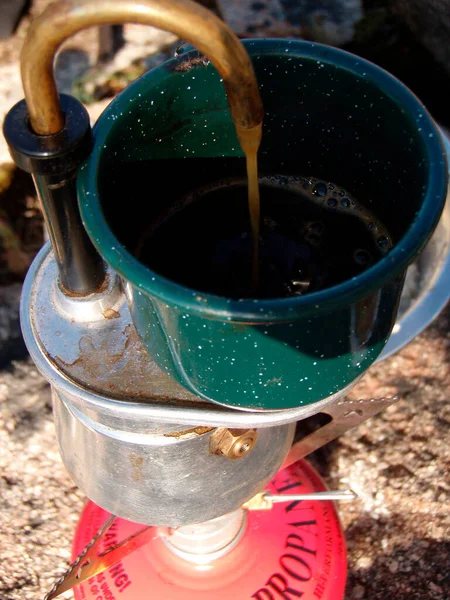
x=124, y=371
x=136, y=467
x=189, y=432
x=105, y=356
x=73, y=294
x=110, y=313
x=273, y=381
x=187, y=63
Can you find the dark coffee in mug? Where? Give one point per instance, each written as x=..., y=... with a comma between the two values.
x=313, y=235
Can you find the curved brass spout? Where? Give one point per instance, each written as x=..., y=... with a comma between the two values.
x=185, y=18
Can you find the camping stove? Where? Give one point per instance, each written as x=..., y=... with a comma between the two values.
x=175, y=410
x=143, y=448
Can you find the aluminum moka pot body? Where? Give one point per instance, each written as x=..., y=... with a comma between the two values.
x=328, y=114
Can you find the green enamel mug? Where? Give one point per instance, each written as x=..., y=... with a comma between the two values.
x=349, y=122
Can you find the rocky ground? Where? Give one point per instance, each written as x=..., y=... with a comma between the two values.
x=398, y=530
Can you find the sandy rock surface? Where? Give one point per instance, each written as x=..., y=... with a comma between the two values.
x=398, y=531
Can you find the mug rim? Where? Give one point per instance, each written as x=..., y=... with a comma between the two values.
x=273, y=309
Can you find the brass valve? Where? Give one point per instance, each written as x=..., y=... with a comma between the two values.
x=232, y=443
